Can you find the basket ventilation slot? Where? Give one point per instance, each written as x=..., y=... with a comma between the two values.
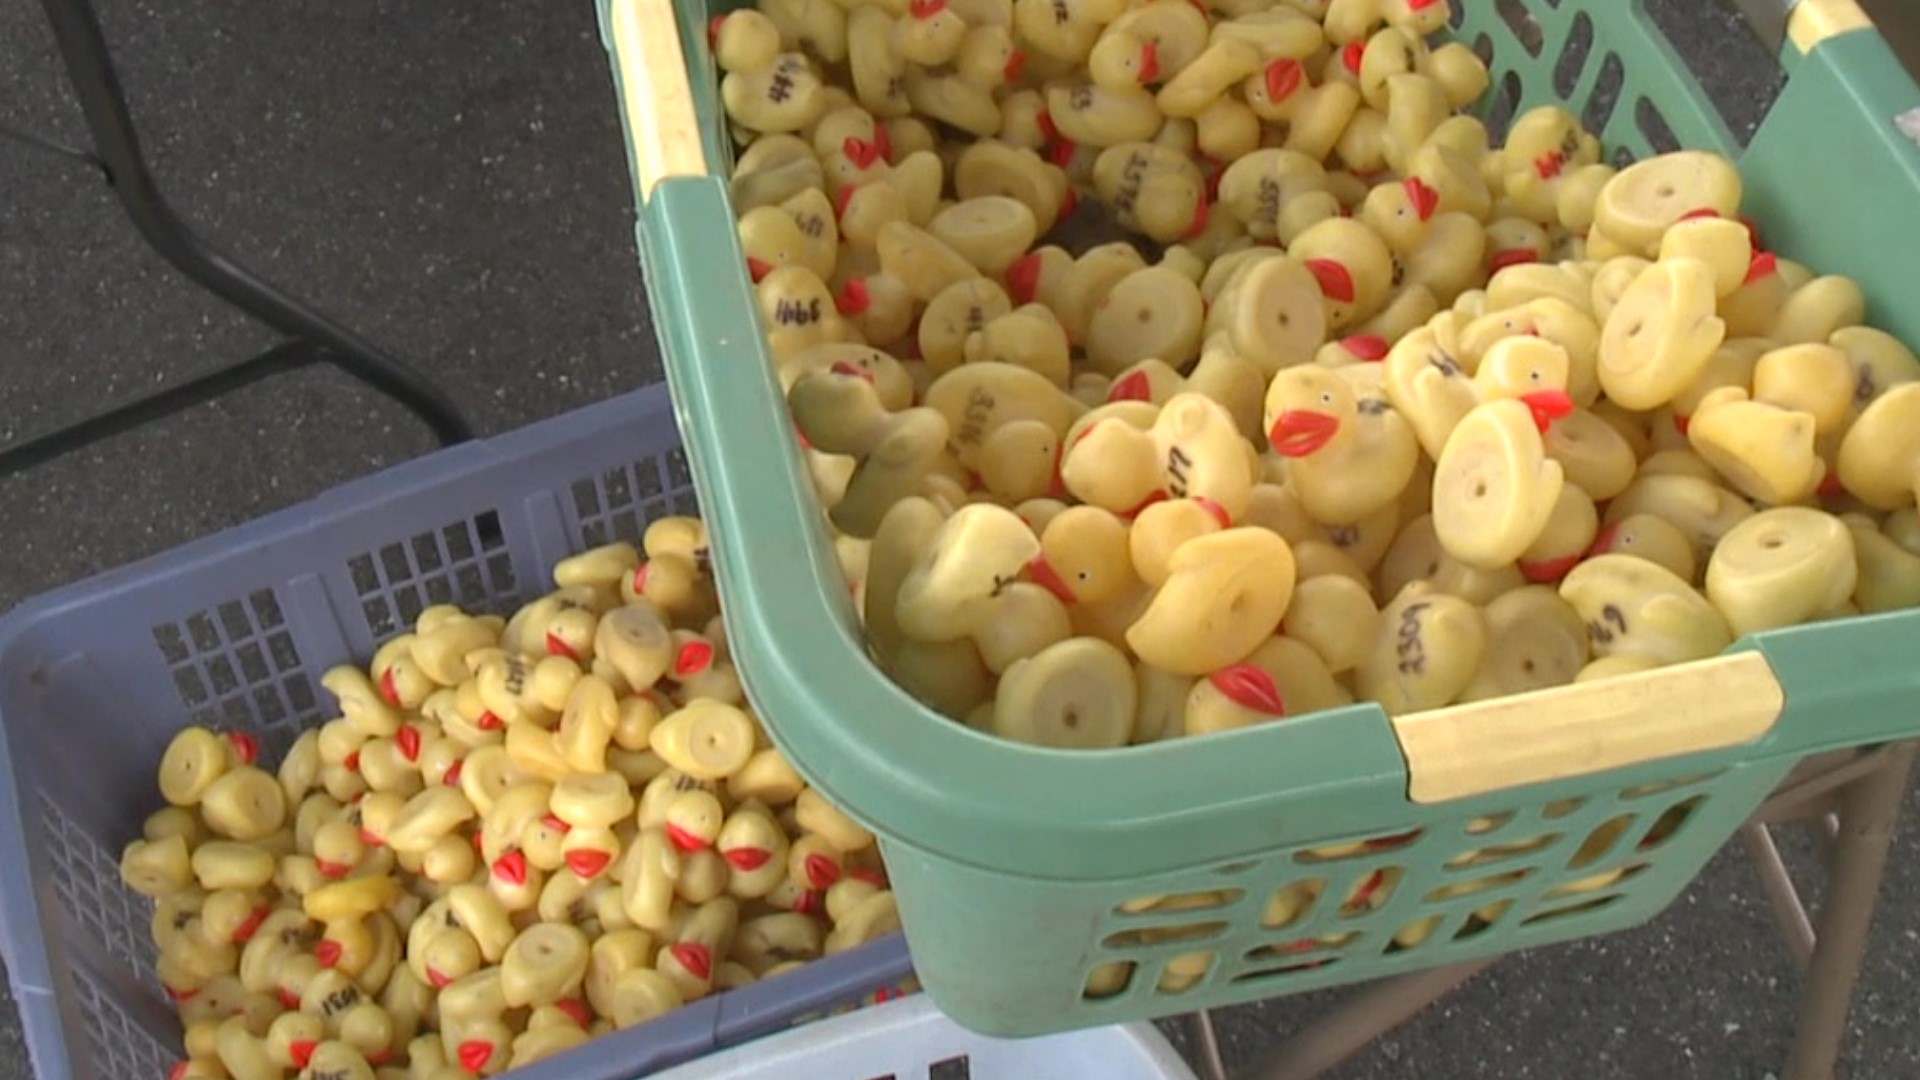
x=121, y=1048
x=92, y=894
x=235, y=666
x=464, y=562
x=618, y=503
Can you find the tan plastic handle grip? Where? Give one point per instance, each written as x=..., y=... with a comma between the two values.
x=1588, y=728
x=1814, y=21
x=659, y=97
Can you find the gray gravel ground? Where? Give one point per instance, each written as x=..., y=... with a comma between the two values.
x=449, y=180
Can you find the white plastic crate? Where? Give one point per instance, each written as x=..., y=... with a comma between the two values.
x=910, y=1039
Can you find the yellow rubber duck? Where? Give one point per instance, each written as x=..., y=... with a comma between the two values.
x=1345, y=462
x=1428, y=384
x=1083, y=556
x=1443, y=251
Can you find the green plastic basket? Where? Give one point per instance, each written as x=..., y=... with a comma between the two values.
x=1491, y=828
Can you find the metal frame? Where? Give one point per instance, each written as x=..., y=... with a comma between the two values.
x=311, y=337
x=1850, y=799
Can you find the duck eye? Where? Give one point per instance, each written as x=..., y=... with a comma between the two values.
x=1534, y=375
x=1083, y=575
x=1326, y=397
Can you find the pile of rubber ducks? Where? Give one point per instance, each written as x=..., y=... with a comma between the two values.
x=1351, y=402
x=520, y=833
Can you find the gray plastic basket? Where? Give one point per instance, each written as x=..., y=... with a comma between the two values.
x=233, y=631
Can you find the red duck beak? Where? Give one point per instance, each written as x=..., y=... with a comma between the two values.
x=848, y=367
x=862, y=153
x=1023, y=278
x=1550, y=571
x=1548, y=406
x=1016, y=63
x=1425, y=200
x=1336, y=281
x=1368, y=347
x=1045, y=576
x=1283, y=78
x=1149, y=62
x=1133, y=387
x=1302, y=432
x=1512, y=257
x=1250, y=688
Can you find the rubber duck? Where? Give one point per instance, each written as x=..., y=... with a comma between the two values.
x=1202, y=454
x=1357, y=20
x=1702, y=510
x=1515, y=242
x=1640, y=203
x=773, y=169
x=1567, y=537
x=1316, y=114
x=1430, y=387
x=989, y=231
x=896, y=452
x=1454, y=175
x=1114, y=464
x=1417, y=555
x=889, y=377
x=1880, y=362
x=1210, y=78
x=1226, y=593
x=977, y=400
x=1077, y=693
x=1353, y=266
x=1282, y=677
x=1547, y=317
x=1221, y=375
x=1766, y=452
x=1545, y=148
x=1334, y=615
x=764, y=89
x=973, y=557
x=1001, y=167
x=949, y=318
x=1888, y=574
x=1878, y=458
x=1277, y=194
x=1083, y=556
x=1029, y=336
x=1066, y=31
x=1090, y=116
x=802, y=231
x=1638, y=609
x=1426, y=652
x=1082, y=284
x=1152, y=189
x=1274, y=313
x=1781, y=567
x=1494, y=488
x=798, y=312
x=1535, y=640
x=1154, y=313
x=1314, y=419
x=1443, y=252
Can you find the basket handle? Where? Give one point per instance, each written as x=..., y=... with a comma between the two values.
x=1805, y=23
x=645, y=42
x=1588, y=728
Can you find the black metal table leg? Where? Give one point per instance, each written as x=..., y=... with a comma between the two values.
x=314, y=337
